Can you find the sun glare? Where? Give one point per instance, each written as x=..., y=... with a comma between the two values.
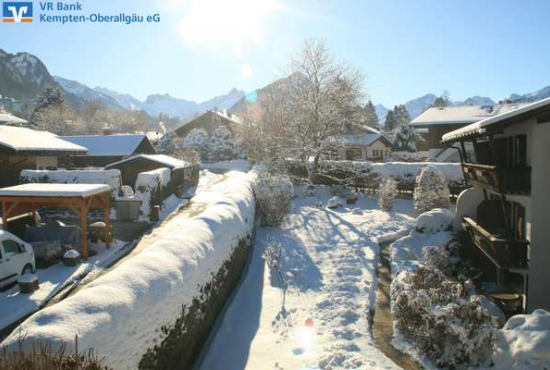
x=216, y=22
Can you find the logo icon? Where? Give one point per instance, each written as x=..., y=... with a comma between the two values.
x=17, y=12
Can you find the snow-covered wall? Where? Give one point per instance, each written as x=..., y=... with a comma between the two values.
x=138, y=314
x=151, y=188
x=108, y=177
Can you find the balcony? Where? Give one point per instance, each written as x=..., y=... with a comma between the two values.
x=505, y=180
x=503, y=252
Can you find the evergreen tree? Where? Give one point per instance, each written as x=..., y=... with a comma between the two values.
x=402, y=115
x=223, y=145
x=391, y=121
x=197, y=139
x=442, y=101
x=404, y=138
x=371, y=117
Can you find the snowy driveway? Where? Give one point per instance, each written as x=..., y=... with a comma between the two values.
x=329, y=261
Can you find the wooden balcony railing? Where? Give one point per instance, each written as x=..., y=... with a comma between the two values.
x=504, y=253
x=505, y=180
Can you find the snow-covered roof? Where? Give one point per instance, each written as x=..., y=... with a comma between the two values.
x=108, y=145
x=8, y=119
x=458, y=115
x=55, y=190
x=361, y=139
x=163, y=159
x=480, y=127
x=24, y=140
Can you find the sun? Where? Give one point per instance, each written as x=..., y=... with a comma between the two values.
x=218, y=22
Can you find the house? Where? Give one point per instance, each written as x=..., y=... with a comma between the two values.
x=182, y=173
x=506, y=211
x=441, y=120
x=106, y=149
x=22, y=148
x=209, y=121
x=372, y=146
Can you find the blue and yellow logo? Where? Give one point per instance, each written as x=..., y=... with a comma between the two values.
x=17, y=12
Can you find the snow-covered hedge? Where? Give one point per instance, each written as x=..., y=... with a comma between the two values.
x=109, y=177
x=274, y=194
x=369, y=174
x=150, y=311
x=432, y=190
x=151, y=187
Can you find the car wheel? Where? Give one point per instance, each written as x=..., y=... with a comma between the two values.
x=26, y=270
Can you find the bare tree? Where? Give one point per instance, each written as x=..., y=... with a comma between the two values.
x=317, y=101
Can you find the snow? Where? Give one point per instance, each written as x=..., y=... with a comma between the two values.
x=147, y=184
x=481, y=126
x=163, y=159
x=129, y=305
x=14, y=306
x=27, y=278
x=434, y=221
x=335, y=202
x=232, y=165
x=328, y=261
x=55, y=190
x=524, y=342
x=9, y=119
x=464, y=114
x=108, y=145
x=71, y=253
x=108, y=177
x=23, y=139
x=365, y=140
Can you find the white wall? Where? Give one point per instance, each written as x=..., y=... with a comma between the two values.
x=46, y=163
x=539, y=275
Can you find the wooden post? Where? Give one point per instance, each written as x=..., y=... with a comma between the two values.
x=84, y=227
x=5, y=215
x=106, y=210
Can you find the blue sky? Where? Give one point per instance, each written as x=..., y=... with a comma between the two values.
x=203, y=48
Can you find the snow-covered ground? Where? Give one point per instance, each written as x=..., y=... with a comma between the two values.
x=14, y=305
x=328, y=261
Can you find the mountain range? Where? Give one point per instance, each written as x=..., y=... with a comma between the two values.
x=23, y=76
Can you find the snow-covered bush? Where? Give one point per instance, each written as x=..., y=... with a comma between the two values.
x=224, y=146
x=274, y=194
x=435, y=221
x=524, y=342
x=443, y=258
x=431, y=189
x=197, y=139
x=335, y=202
x=387, y=193
x=448, y=327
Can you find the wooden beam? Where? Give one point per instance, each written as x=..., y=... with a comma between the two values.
x=84, y=228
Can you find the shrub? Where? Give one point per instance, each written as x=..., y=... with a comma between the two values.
x=387, y=193
x=197, y=139
x=431, y=189
x=448, y=327
x=274, y=194
x=44, y=357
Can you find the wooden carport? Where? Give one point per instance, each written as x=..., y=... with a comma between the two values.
x=21, y=199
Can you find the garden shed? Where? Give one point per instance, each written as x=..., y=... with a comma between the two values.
x=22, y=199
x=182, y=172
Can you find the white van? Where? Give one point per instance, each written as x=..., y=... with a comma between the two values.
x=16, y=258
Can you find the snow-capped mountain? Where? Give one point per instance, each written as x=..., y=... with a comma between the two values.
x=77, y=91
x=168, y=105
x=476, y=100
x=531, y=97
x=381, y=112
x=126, y=101
x=419, y=105
x=23, y=76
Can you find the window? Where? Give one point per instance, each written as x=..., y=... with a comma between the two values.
x=12, y=247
